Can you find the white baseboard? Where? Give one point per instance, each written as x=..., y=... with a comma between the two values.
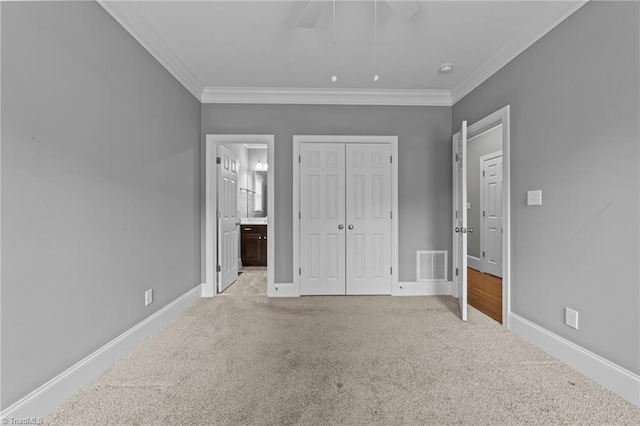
x=49, y=396
x=474, y=262
x=283, y=290
x=422, y=288
x=610, y=375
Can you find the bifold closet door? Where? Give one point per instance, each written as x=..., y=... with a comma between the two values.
x=368, y=218
x=322, y=213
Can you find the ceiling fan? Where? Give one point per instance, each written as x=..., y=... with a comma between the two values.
x=405, y=9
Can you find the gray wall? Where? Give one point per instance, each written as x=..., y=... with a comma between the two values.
x=483, y=144
x=424, y=148
x=574, y=134
x=100, y=187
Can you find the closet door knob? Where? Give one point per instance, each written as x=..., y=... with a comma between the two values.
x=341, y=226
x=350, y=226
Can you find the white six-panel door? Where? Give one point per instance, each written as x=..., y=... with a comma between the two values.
x=492, y=214
x=322, y=214
x=345, y=218
x=368, y=218
x=460, y=217
x=228, y=218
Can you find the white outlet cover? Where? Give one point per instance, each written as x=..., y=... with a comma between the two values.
x=534, y=198
x=571, y=318
x=148, y=297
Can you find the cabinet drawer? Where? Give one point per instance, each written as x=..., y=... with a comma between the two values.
x=253, y=229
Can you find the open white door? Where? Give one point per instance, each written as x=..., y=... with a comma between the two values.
x=460, y=217
x=227, y=218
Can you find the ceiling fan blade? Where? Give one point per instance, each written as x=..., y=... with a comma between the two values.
x=311, y=14
x=403, y=8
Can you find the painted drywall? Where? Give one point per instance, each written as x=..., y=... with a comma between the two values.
x=574, y=134
x=483, y=144
x=424, y=165
x=100, y=187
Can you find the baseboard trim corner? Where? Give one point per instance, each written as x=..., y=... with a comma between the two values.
x=422, y=288
x=617, y=379
x=46, y=398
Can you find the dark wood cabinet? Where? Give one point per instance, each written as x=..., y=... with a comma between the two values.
x=254, y=245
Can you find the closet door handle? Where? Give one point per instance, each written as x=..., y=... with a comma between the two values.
x=350, y=226
x=341, y=226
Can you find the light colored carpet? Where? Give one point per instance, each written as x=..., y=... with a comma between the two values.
x=245, y=359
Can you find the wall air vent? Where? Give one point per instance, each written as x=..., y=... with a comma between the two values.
x=431, y=265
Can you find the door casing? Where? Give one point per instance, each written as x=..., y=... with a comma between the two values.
x=297, y=140
x=501, y=116
x=211, y=184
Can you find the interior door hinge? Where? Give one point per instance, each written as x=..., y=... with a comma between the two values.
x=391, y=159
x=391, y=270
x=390, y=215
x=456, y=272
x=457, y=157
x=456, y=214
x=299, y=271
x=483, y=213
x=218, y=268
x=483, y=255
x=299, y=158
x=483, y=173
x=218, y=160
x=218, y=214
x=299, y=215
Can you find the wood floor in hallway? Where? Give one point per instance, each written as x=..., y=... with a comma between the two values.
x=485, y=293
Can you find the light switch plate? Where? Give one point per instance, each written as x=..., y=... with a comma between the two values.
x=534, y=198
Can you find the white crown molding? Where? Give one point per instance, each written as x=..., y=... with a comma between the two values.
x=308, y=96
x=128, y=16
x=552, y=15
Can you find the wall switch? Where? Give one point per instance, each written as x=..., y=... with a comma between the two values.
x=571, y=317
x=534, y=198
x=148, y=297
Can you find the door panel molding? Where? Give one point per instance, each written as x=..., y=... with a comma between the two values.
x=297, y=141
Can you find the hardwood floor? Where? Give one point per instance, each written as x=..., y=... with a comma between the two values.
x=485, y=293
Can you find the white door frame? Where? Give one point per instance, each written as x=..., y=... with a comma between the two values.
x=211, y=194
x=492, y=120
x=483, y=158
x=297, y=140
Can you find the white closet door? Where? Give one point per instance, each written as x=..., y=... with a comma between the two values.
x=228, y=222
x=492, y=215
x=368, y=218
x=322, y=213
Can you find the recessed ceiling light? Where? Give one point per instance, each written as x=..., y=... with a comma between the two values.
x=445, y=68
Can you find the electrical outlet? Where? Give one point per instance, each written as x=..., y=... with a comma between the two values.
x=148, y=297
x=571, y=317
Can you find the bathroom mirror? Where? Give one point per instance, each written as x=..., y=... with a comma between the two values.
x=259, y=179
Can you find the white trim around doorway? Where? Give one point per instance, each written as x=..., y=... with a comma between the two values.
x=297, y=140
x=497, y=118
x=211, y=183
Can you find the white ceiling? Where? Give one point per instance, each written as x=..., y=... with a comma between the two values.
x=224, y=50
